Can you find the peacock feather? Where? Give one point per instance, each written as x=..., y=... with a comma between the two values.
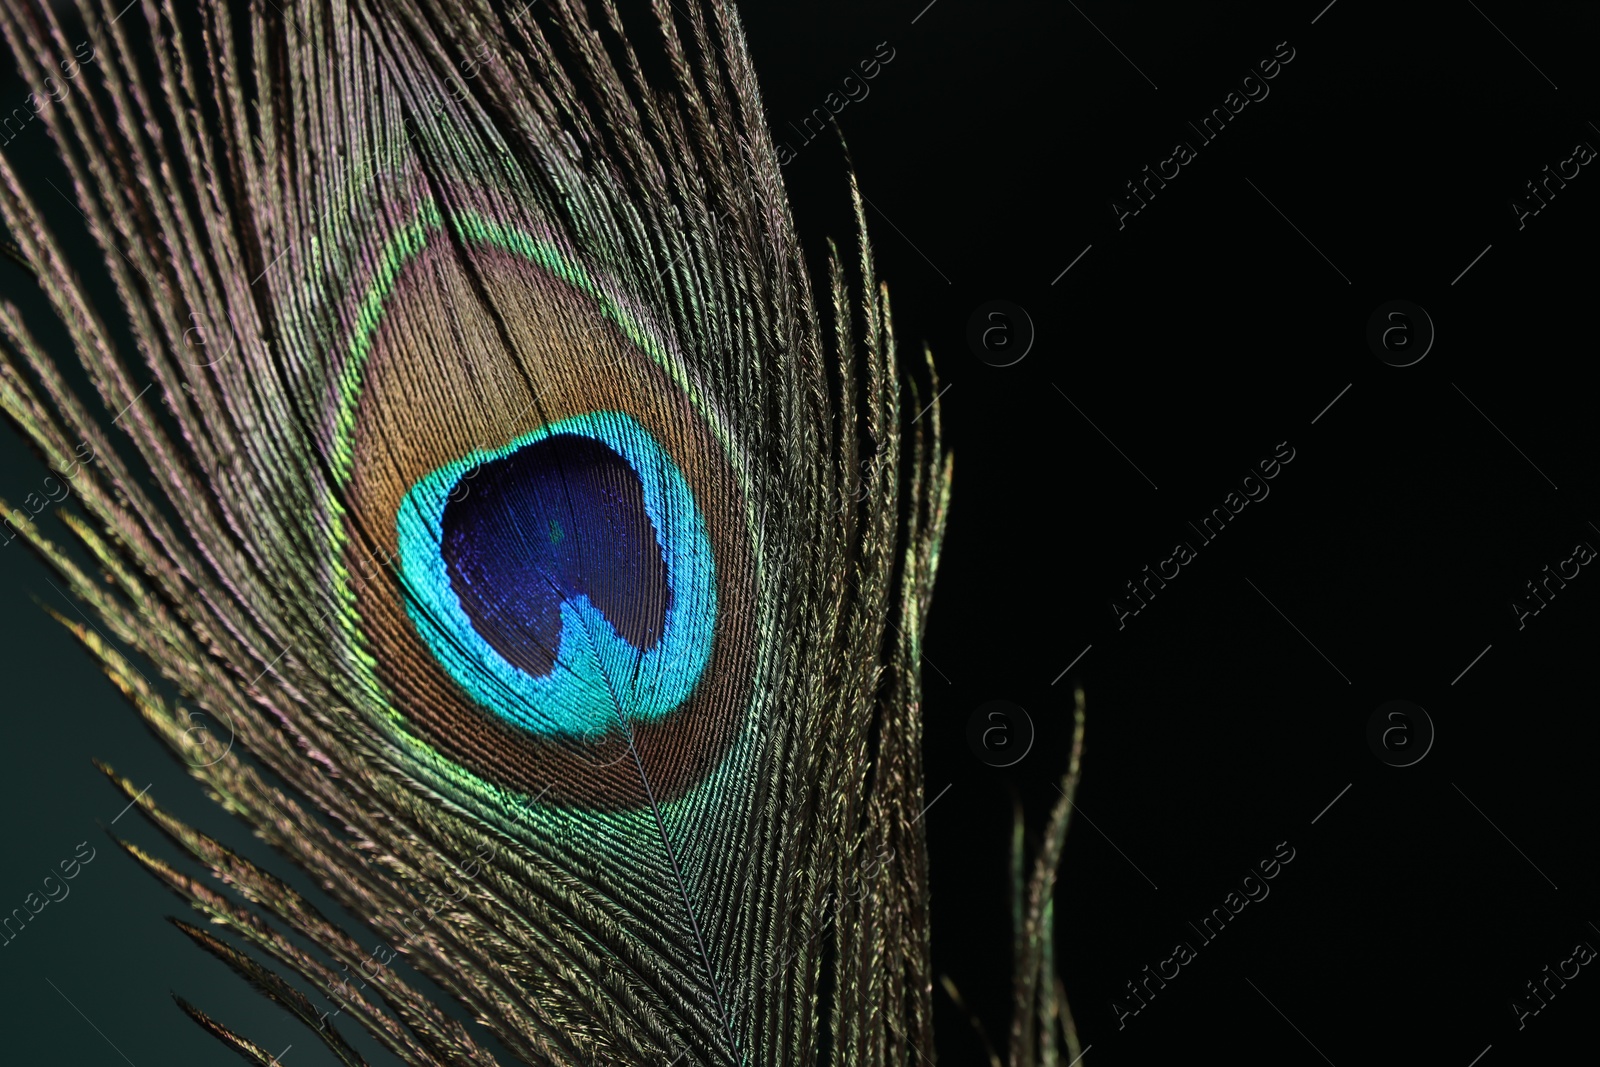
x=466, y=434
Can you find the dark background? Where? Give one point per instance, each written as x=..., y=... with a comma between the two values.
x=1225, y=716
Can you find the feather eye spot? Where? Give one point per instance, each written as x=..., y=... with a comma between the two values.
x=572, y=590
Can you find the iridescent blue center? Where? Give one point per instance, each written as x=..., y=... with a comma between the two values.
x=565, y=580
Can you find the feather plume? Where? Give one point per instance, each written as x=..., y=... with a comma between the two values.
x=467, y=439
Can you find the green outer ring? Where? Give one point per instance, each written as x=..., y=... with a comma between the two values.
x=398, y=252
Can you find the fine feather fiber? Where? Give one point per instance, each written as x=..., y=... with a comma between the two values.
x=469, y=437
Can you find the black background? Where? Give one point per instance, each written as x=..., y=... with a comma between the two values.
x=1226, y=715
